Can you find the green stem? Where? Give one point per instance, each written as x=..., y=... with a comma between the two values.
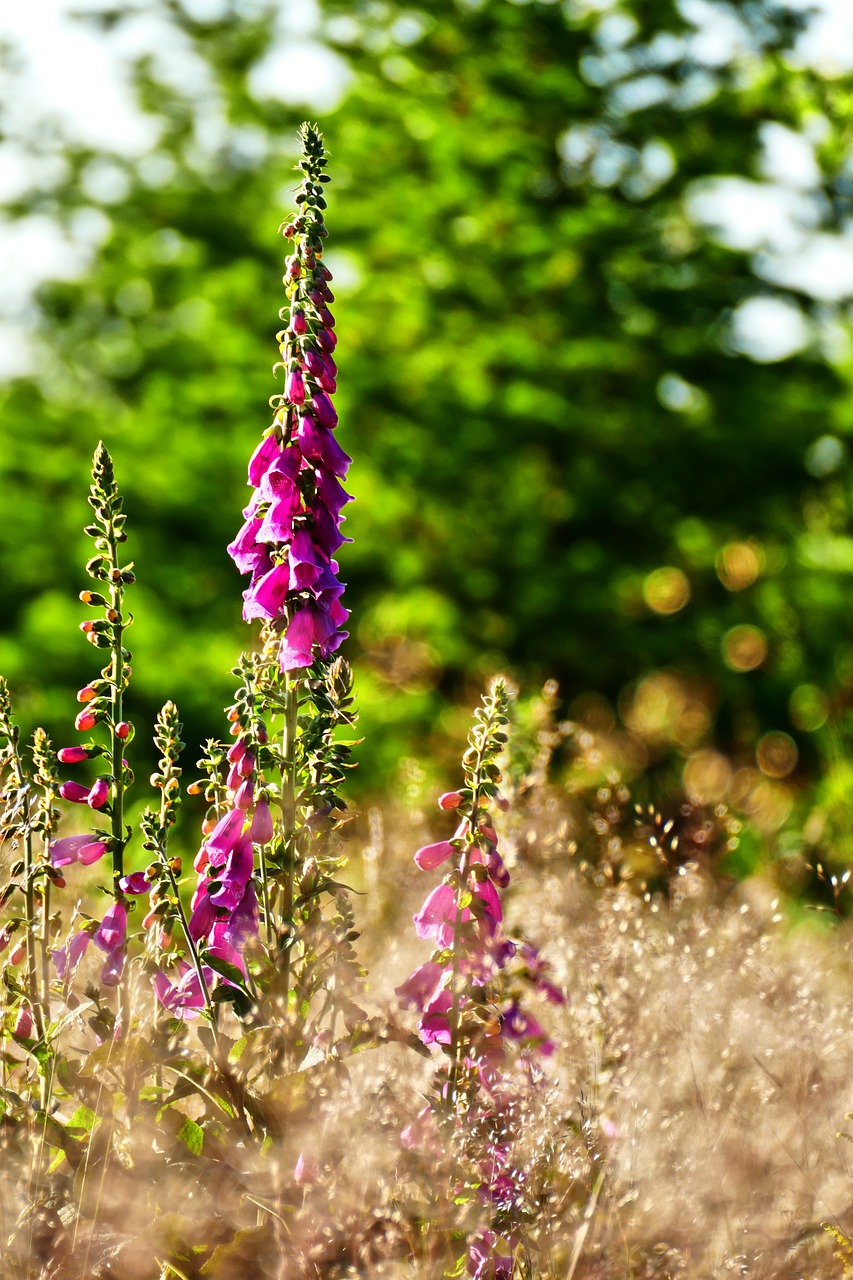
x=288, y=814
x=453, y=1083
x=265, y=895
x=116, y=717
x=44, y=940
x=32, y=963
x=196, y=959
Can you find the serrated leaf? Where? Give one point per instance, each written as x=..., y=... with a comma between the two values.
x=84, y=1119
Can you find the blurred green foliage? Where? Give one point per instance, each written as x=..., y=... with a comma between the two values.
x=563, y=466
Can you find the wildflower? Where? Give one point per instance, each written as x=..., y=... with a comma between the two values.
x=292, y=525
x=432, y=855
x=135, y=883
x=434, y=920
x=185, y=998
x=112, y=929
x=491, y=1257
x=82, y=849
x=67, y=959
x=262, y=828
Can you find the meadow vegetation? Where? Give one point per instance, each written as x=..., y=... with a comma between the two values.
x=556, y=983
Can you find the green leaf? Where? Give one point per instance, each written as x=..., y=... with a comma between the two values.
x=84, y=1120
x=192, y=1136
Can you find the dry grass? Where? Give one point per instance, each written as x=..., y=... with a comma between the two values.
x=686, y=1126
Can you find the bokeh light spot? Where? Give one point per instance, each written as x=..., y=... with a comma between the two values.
x=707, y=775
x=776, y=754
x=666, y=590
x=744, y=647
x=739, y=564
x=808, y=707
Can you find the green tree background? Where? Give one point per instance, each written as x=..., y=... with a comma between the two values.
x=573, y=456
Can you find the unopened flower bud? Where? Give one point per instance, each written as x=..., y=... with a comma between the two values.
x=18, y=953
x=72, y=755
x=194, y=789
x=23, y=1023
x=450, y=800
x=305, y=1170
x=294, y=387
x=85, y=720
x=87, y=626
x=122, y=729
x=99, y=794
x=86, y=694
x=298, y=323
x=294, y=269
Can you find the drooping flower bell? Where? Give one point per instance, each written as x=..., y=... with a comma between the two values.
x=292, y=523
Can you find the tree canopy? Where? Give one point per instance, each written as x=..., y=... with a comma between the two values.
x=598, y=414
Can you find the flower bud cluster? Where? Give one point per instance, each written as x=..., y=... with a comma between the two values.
x=101, y=701
x=224, y=906
x=292, y=523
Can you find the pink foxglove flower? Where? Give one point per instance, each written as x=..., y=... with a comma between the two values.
x=82, y=849
x=185, y=998
x=67, y=959
x=292, y=525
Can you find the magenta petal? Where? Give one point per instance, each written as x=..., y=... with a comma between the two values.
x=304, y=565
x=74, y=792
x=333, y=456
x=298, y=641
x=434, y=1028
x=262, y=828
x=226, y=833
x=432, y=855
x=265, y=599
x=324, y=410
x=99, y=794
x=202, y=918
x=433, y=919
x=263, y=457
x=113, y=967
x=91, y=852
x=294, y=387
x=63, y=852
x=67, y=958
x=421, y=985
x=245, y=794
x=242, y=924
x=136, y=882
x=310, y=437
x=279, y=478
x=113, y=927
x=488, y=895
